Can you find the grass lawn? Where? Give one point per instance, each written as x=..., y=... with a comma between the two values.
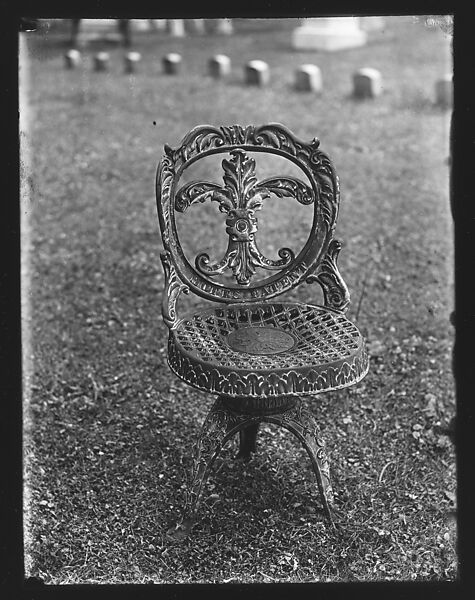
x=109, y=429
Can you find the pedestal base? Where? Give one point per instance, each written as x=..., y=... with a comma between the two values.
x=230, y=416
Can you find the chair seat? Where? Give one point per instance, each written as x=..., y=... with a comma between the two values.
x=267, y=349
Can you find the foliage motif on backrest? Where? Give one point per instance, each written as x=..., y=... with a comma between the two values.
x=239, y=197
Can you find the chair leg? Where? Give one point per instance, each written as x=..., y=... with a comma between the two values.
x=219, y=426
x=304, y=426
x=247, y=441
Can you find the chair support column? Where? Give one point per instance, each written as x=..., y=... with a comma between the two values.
x=247, y=441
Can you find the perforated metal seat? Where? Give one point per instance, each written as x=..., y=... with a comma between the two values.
x=267, y=349
x=256, y=354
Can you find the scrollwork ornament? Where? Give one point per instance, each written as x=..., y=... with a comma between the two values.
x=173, y=288
x=274, y=136
x=164, y=185
x=335, y=291
x=243, y=256
x=287, y=186
x=240, y=197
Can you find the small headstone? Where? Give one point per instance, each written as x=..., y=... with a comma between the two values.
x=176, y=27
x=367, y=83
x=224, y=26
x=131, y=61
x=72, y=59
x=141, y=24
x=444, y=91
x=219, y=66
x=257, y=73
x=101, y=61
x=198, y=25
x=158, y=24
x=308, y=78
x=171, y=63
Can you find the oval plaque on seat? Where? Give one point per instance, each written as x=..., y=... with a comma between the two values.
x=260, y=340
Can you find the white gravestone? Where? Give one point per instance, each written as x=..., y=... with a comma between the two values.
x=158, y=24
x=224, y=26
x=171, y=63
x=257, y=73
x=219, y=66
x=329, y=33
x=308, y=78
x=367, y=83
x=176, y=27
x=131, y=61
x=72, y=58
x=140, y=24
x=444, y=91
x=198, y=25
x=101, y=61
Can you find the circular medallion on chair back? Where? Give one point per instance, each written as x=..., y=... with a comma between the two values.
x=239, y=197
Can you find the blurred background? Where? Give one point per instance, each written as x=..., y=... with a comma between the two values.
x=108, y=426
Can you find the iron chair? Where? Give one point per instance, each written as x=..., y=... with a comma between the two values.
x=256, y=354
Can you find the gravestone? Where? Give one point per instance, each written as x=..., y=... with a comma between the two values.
x=132, y=60
x=224, y=26
x=444, y=91
x=176, y=27
x=198, y=25
x=158, y=24
x=219, y=66
x=372, y=23
x=72, y=59
x=141, y=24
x=257, y=73
x=367, y=83
x=171, y=63
x=328, y=33
x=308, y=78
x=101, y=61
x=98, y=29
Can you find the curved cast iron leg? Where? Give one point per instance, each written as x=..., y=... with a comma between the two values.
x=304, y=426
x=247, y=441
x=219, y=426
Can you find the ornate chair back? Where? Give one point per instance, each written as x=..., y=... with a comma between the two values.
x=239, y=197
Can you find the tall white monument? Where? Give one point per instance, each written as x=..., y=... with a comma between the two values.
x=98, y=29
x=329, y=33
x=372, y=23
